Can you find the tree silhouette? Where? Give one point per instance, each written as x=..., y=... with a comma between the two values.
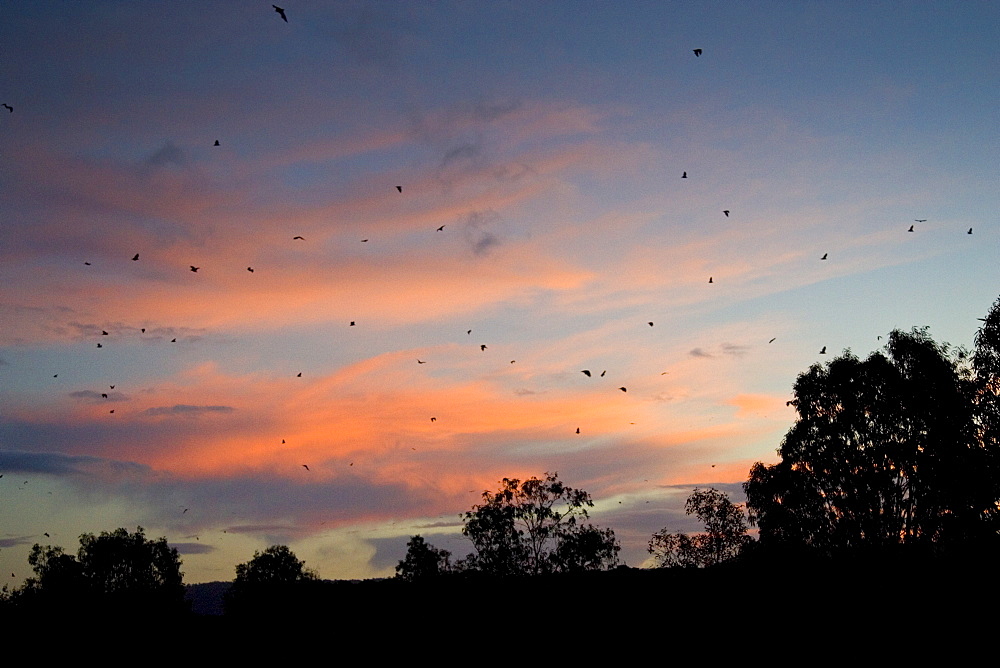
x=120, y=562
x=531, y=527
x=273, y=581
x=114, y=571
x=899, y=448
x=724, y=537
x=54, y=569
x=275, y=565
x=422, y=561
x=986, y=409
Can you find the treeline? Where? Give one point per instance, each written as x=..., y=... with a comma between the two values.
x=893, y=463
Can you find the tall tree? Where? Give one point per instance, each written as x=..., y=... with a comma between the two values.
x=533, y=526
x=885, y=451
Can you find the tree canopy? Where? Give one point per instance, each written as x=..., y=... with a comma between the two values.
x=272, y=582
x=533, y=526
x=724, y=537
x=422, y=561
x=275, y=565
x=898, y=448
x=109, y=569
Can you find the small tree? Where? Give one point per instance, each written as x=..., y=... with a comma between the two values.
x=587, y=549
x=275, y=581
x=675, y=550
x=422, y=561
x=275, y=565
x=54, y=569
x=724, y=537
x=532, y=527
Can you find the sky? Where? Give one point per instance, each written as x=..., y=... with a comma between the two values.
x=416, y=346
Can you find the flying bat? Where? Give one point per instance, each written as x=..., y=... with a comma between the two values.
x=824, y=256
x=697, y=53
x=726, y=212
x=399, y=188
x=216, y=143
x=586, y=372
x=194, y=268
x=281, y=12
x=135, y=258
x=8, y=108
x=823, y=351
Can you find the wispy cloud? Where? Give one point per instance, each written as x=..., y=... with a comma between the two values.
x=56, y=463
x=186, y=410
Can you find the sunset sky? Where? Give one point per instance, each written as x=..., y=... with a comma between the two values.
x=549, y=139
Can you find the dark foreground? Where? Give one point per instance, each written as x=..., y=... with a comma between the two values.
x=886, y=610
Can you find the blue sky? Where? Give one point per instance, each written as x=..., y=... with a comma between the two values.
x=549, y=139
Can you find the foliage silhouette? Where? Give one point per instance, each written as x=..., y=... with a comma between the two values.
x=276, y=564
x=896, y=449
x=532, y=527
x=724, y=538
x=113, y=572
x=422, y=561
x=271, y=582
